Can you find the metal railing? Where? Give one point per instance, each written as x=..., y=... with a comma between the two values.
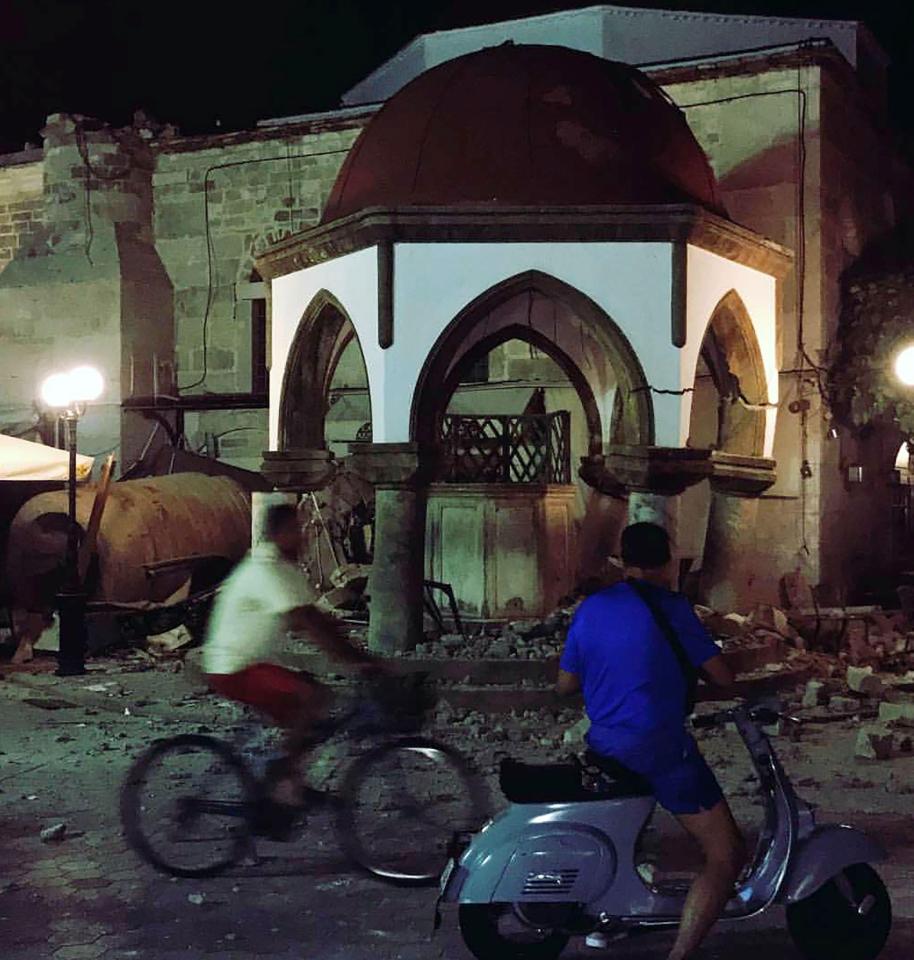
x=530, y=448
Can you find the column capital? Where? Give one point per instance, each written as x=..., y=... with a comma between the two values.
x=301, y=470
x=393, y=464
x=669, y=471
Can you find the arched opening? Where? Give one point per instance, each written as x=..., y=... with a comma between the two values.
x=728, y=414
x=325, y=402
x=730, y=390
x=518, y=410
x=561, y=321
x=528, y=379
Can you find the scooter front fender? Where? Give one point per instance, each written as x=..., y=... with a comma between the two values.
x=824, y=853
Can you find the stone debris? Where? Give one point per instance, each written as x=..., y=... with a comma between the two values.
x=874, y=742
x=901, y=713
x=841, y=704
x=168, y=643
x=814, y=694
x=54, y=833
x=574, y=736
x=862, y=680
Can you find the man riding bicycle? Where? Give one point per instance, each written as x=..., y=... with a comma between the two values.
x=632, y=650
x=266, y=596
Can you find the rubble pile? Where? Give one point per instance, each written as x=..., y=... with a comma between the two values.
x=521, y=640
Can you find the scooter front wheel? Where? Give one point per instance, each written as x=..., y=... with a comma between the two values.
x=492, y=931
x=848, y=918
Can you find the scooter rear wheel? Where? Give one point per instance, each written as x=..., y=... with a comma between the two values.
x=488, y=938
x=827, y=926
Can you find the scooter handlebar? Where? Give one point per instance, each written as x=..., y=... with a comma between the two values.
x=763, y=714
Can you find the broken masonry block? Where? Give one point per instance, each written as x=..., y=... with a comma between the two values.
x=874, y=742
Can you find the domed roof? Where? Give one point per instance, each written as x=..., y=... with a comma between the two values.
x=529, y=126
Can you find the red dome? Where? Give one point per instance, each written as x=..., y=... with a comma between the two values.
x=527, y=126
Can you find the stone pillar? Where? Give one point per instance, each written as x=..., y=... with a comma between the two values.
x=260, y=503
x=647, y=507
x=400, y=473
x=726, y=571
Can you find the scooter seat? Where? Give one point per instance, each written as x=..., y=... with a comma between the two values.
x=564, y=783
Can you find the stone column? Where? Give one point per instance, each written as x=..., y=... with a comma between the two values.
x=399, y=472
x=729, y=554
x=648, y=507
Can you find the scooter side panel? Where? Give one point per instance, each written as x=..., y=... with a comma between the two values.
x=571, y=864
x=826, y=852
x=611, y=826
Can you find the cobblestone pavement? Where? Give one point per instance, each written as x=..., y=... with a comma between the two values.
x=86, y=896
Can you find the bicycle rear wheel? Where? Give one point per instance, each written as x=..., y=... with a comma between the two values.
x=187, y=804
x=401, y=804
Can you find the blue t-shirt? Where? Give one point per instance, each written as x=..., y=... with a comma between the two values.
x=634, y=688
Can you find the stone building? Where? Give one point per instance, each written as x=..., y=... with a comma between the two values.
x=248, y=292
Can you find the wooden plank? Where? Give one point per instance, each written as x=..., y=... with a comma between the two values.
x=87, y=547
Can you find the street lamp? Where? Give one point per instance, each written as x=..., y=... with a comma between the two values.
x=904, y=366
x=69, y=393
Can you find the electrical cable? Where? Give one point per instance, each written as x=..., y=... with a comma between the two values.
x=210, y=253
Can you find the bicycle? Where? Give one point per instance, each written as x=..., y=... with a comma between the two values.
x=398, y=807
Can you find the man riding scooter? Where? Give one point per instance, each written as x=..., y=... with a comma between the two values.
x=634, y=650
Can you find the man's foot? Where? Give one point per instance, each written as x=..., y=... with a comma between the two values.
x=597, y=940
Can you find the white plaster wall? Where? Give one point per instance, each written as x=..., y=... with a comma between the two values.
x=710, y=278
x=353, y=280
x=434, y=282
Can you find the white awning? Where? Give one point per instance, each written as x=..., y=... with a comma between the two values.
x=24, y=460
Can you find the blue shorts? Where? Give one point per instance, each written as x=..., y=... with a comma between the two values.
x=682, y=781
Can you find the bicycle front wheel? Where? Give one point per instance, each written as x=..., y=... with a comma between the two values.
x=401, y=804
x=186, y=806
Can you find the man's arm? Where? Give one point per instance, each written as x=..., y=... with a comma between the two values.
x=716, y=672
x=329, y=635
x=567, y=683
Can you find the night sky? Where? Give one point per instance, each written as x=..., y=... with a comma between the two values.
x=205, y=66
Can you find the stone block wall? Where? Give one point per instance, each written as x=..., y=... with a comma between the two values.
x=217, y=201
x=759, y=126
x=21, y=201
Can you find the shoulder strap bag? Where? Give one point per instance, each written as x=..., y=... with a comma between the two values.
x=688, y=670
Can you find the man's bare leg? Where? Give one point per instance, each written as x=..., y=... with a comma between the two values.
x=299, y=741
x=725, y=855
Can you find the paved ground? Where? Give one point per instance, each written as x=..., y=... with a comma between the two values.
x=87, y=896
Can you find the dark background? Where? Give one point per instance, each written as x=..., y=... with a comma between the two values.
x=205, y=66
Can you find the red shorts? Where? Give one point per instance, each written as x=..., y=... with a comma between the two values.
x=274, y=690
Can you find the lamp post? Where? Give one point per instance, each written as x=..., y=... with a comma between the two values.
x=69, y=393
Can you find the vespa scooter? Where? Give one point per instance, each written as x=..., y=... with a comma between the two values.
x=557, y=863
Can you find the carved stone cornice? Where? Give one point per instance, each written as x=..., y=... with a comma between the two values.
x=477, y=223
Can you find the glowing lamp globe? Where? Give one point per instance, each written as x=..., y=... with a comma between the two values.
x=904, y=366
x=86, y=384
x=55, y=391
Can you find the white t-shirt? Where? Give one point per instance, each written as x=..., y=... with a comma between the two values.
x=247, y=622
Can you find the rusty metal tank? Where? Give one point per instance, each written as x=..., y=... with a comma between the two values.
x=146, y=523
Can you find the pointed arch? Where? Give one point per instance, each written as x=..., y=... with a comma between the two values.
x=465, y=337
x=323, y=332
x=731, y=352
